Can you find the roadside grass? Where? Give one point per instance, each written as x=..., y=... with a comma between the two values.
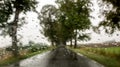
x=110, y=57
x=113, y=52
x=32, y=54
x=11, y=59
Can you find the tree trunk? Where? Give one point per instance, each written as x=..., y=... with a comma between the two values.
x=64, y=43
x=71, y=43
x=14, y=34
x=52, y=43
x=75, y=46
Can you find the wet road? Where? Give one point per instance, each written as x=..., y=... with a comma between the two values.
x=60, y=57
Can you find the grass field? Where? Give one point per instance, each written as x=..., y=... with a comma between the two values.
x=110, y=56
x=8, y=59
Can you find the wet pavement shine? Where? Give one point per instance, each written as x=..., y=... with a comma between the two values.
x=59, y=57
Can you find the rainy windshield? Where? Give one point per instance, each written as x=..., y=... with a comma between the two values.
x=59, y=33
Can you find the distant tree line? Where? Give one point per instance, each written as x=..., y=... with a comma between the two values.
x=64, y=23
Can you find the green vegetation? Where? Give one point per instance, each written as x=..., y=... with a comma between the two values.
x=23, y=55
x=15, y=8
x=111, y=15
x=110, y=57
x=33, y=53
x=61, y=25
x=111, y=51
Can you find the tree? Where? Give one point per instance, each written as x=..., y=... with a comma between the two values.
x=77, y=18
x=84, y=37
x=48, y=21
x=61, y=25
x=52, y=28
x=112, y=16
x=14, y=7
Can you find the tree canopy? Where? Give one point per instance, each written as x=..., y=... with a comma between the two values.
x=112, y=16
x=48, y=21
x=10, y=8
x=69, y=17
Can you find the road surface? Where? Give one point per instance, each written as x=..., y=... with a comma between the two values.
x=59, y=57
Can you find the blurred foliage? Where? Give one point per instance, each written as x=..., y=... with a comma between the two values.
x=13, y=8
x=32, y=47
x=109, y=57
x=84, y=37
x=59, y=24
x=112, y=15
x=48, y=21
x=8, y=7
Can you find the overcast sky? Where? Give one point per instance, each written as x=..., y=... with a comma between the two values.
x=31, y=30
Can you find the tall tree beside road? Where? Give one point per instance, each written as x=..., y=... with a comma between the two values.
x=9, y=8
x=77, y=14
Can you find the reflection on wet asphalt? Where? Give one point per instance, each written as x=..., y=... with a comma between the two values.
x=60, y=57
